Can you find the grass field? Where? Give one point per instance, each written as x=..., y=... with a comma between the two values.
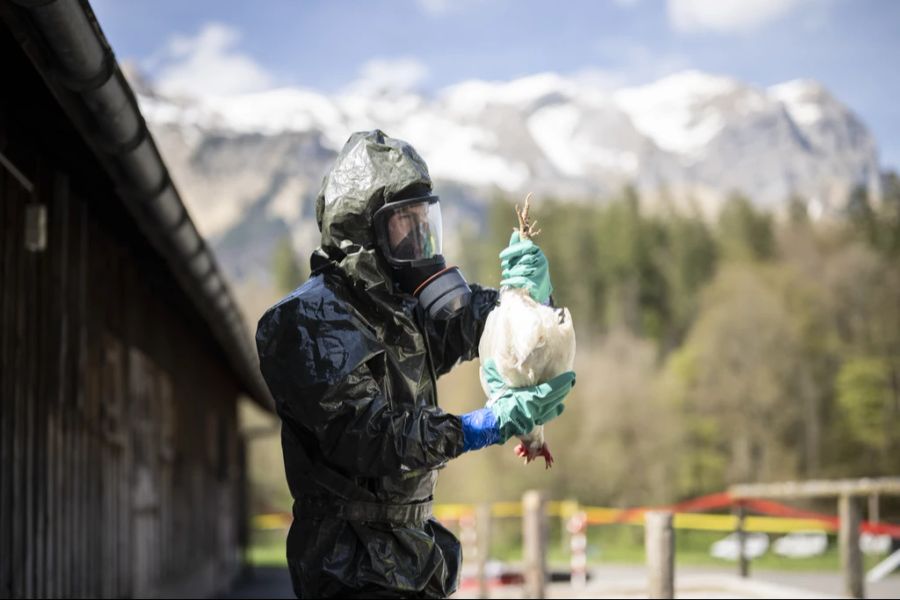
x=606, y=545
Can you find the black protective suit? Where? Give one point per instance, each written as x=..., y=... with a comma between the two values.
x=352, y=364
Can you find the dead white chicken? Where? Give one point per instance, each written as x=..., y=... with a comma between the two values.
x=530, y=344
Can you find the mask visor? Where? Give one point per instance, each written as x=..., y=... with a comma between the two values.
x=410, y=229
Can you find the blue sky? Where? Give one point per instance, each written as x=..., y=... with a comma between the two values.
x=852, y=46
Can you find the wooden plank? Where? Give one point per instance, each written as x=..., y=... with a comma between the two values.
x=82, y=498
x=118, y=468
x=659, y=544
x=108, y=365
x=97, y=297
x=168, y=534
x=19, y=401
x=60, y=220
x=66, y=399
x=29, y=375
x=70, y=402
x=43, y=353
x=93, y=307
x=4, y=370
x=242, y=489
x=106, y=555
x=7, y=315
x=818, y=488
x=126, y=455
x=107, y=523
x=54, y=525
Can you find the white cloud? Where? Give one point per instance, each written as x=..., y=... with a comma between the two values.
x=726, y=16
x=600, y=79
x=208, y=64
x=381, y=75
x=628, y=62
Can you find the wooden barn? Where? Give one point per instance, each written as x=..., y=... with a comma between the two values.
x=122, y=353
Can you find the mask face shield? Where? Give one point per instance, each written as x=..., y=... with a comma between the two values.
x=409, y=231
x=409, y=237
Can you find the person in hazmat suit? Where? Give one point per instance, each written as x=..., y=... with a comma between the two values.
x=352, y=358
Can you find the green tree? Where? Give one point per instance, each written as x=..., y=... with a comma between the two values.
x=287, y=273
x=861, y=215
x=798, y=213
x=868, y=399
x=878, y=225
x=889, y=215
x=744, y=232
x=687, y=257
x=737, y=379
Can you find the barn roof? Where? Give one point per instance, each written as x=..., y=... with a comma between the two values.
x=63, y=40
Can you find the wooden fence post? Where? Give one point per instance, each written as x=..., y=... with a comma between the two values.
x=535, y=541
x=743, y=561
x=874, y=516
x=851, y=555
x=483, y=527
x=659, y=544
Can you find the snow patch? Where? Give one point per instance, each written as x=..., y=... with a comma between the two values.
x=804, y=100
x=553, y=128
x=473, y=96
x=674, y=111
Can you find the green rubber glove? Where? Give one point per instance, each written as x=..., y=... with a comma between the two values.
x=518, y=410
x=523, y=265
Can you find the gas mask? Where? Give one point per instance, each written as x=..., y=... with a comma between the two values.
x=409, y=237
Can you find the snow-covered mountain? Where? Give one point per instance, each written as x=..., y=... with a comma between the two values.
x=249, y=166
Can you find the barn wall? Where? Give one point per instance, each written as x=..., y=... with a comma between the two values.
x=120, y=458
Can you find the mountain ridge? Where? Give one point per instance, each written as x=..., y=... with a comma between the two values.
x=688, y=140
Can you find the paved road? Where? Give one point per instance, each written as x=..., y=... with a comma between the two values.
x=818, y=582
x=628, y=581
x=264, y=582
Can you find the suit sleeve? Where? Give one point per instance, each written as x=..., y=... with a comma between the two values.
x=322, y=381
x=456, y=339
x=358, y=431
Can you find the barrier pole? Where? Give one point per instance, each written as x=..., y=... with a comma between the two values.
x=483, y=529
x=659, y=544
x=534, y=529
x=577, y=527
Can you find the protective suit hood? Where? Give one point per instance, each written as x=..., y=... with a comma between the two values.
x=371, y=170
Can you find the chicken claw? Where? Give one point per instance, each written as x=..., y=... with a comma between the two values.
x=522, y=451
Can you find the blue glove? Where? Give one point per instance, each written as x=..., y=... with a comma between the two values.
x=480, y=429
x=513, y=411
x=523, y=265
